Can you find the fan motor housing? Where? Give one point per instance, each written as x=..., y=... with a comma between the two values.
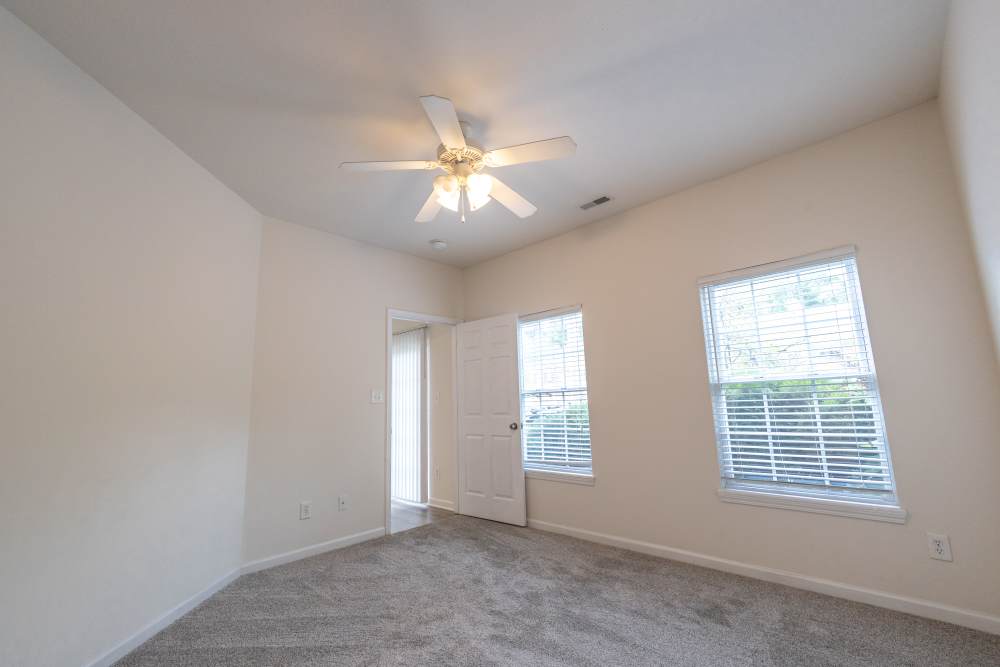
x=471, y=155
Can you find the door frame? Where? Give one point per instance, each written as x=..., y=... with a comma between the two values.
x=398, y=314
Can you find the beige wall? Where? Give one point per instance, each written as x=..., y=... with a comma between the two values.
x=970, y=95
x=130, y=295
x=443, y=452
x=320, y=350
x=127, y=295
x=889, y=189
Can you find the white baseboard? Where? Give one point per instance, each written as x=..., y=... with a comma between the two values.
x=312, y=550
x=441, y=504
x=124, y=648
x=127, y=646
x=915, y=606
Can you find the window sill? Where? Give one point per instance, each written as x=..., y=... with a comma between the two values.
x=852, y=509
x=559, y=476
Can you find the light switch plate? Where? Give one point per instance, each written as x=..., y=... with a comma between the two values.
x=305, y=510
x=378, y=396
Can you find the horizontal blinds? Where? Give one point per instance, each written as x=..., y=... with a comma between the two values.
x=793, y=381
x=795, y=323
x=554, y=407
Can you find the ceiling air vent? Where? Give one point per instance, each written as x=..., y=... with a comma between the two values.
x=597, y=202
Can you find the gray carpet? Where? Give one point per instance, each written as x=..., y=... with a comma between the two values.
x=462, y=591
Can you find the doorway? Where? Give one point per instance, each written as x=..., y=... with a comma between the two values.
x=421, y=464
x=408, y=428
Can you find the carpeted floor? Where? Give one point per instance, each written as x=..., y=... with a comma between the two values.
x=462, y=591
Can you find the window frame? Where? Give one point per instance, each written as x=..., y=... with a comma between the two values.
x=542, y=471
x=802, y=497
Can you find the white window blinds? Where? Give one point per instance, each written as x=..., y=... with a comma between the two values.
x=795, y=398
x=407, y=416
x=554, y=410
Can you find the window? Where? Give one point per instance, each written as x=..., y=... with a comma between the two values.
x=555, y=436
x=795, y=398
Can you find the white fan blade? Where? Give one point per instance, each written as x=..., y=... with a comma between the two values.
x=546, y=149
x=441, y=113
x=518, y=205
x=429, y=209
x=389, y=166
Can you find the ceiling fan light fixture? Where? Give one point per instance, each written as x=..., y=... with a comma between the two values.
x=463, y=188
x=479, y=185
x=446, y=184
x=449, y=200
x=476, y=202
x=476, y=187
x=448, y=191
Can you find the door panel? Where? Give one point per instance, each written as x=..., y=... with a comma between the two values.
x=473, y=379
x=501, y=387
x=475, y=466
x=503, y=482
x=491, y=474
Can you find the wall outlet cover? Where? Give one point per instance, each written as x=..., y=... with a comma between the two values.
x=939, y=546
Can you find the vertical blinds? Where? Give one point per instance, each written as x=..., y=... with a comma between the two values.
x=554, y=408
x=407, y=417
x=795, y=398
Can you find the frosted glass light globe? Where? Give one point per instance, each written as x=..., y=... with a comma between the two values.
x=479, y=185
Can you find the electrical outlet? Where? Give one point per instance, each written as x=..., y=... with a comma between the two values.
x=305, y=510
x=939, y=546
x=437, y=474
x=342, y=503
x=378, y=396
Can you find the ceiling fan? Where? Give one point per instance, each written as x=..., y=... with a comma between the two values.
x=464, y=187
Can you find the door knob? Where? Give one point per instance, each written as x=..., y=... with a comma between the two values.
x=513, y=426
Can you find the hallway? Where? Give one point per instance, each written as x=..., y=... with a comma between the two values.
x=406, y=516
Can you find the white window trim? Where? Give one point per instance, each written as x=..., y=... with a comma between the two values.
x=816, y=505
x=890, y=512
x=551, y=312
x=774, y=267
x=553, y=474
x=560, y=476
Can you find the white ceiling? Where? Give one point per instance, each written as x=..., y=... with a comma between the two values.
x=272, y=96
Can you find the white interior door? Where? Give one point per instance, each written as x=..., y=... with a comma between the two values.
x=490, y=470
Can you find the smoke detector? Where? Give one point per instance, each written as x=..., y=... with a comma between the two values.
x=438, y=244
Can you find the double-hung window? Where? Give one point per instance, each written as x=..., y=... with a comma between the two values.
x=555, y=415
x=798, y=419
